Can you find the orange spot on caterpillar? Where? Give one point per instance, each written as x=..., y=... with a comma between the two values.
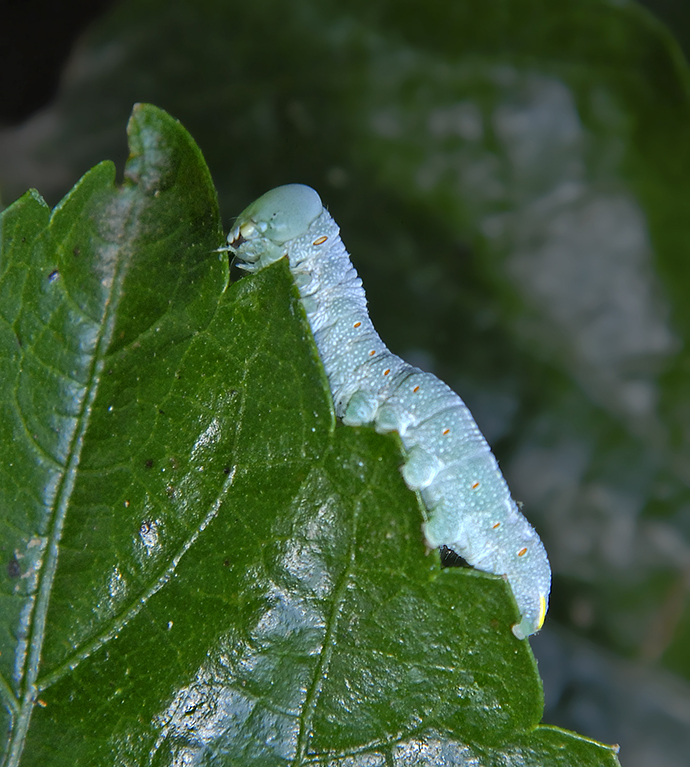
x=321, y=240
x=475, y=485
x=386, y=372
x=416, y=389
x=522, y=552
x=496, y=526
x=372, y=352
x=357, y=324
x=41, y=703
x=447, y=431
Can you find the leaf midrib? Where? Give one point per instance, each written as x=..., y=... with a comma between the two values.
x=130, y=207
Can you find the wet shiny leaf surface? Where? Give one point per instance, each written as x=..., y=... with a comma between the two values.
x=205, y=567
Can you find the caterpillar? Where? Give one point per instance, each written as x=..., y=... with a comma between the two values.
x=447, y=460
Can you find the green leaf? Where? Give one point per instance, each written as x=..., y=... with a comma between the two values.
x=201, y=564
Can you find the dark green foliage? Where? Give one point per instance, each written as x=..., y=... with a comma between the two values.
x=200, y=562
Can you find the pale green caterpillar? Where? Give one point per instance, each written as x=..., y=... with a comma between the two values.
x=447, y=459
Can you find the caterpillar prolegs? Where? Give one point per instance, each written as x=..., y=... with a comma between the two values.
x=447, y=460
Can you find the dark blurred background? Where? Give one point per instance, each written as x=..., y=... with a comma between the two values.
x=512, y=178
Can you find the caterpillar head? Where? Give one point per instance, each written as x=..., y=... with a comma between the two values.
x=261, y=231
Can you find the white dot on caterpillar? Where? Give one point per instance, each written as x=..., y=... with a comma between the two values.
x=321, y=240
x=522, y=552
